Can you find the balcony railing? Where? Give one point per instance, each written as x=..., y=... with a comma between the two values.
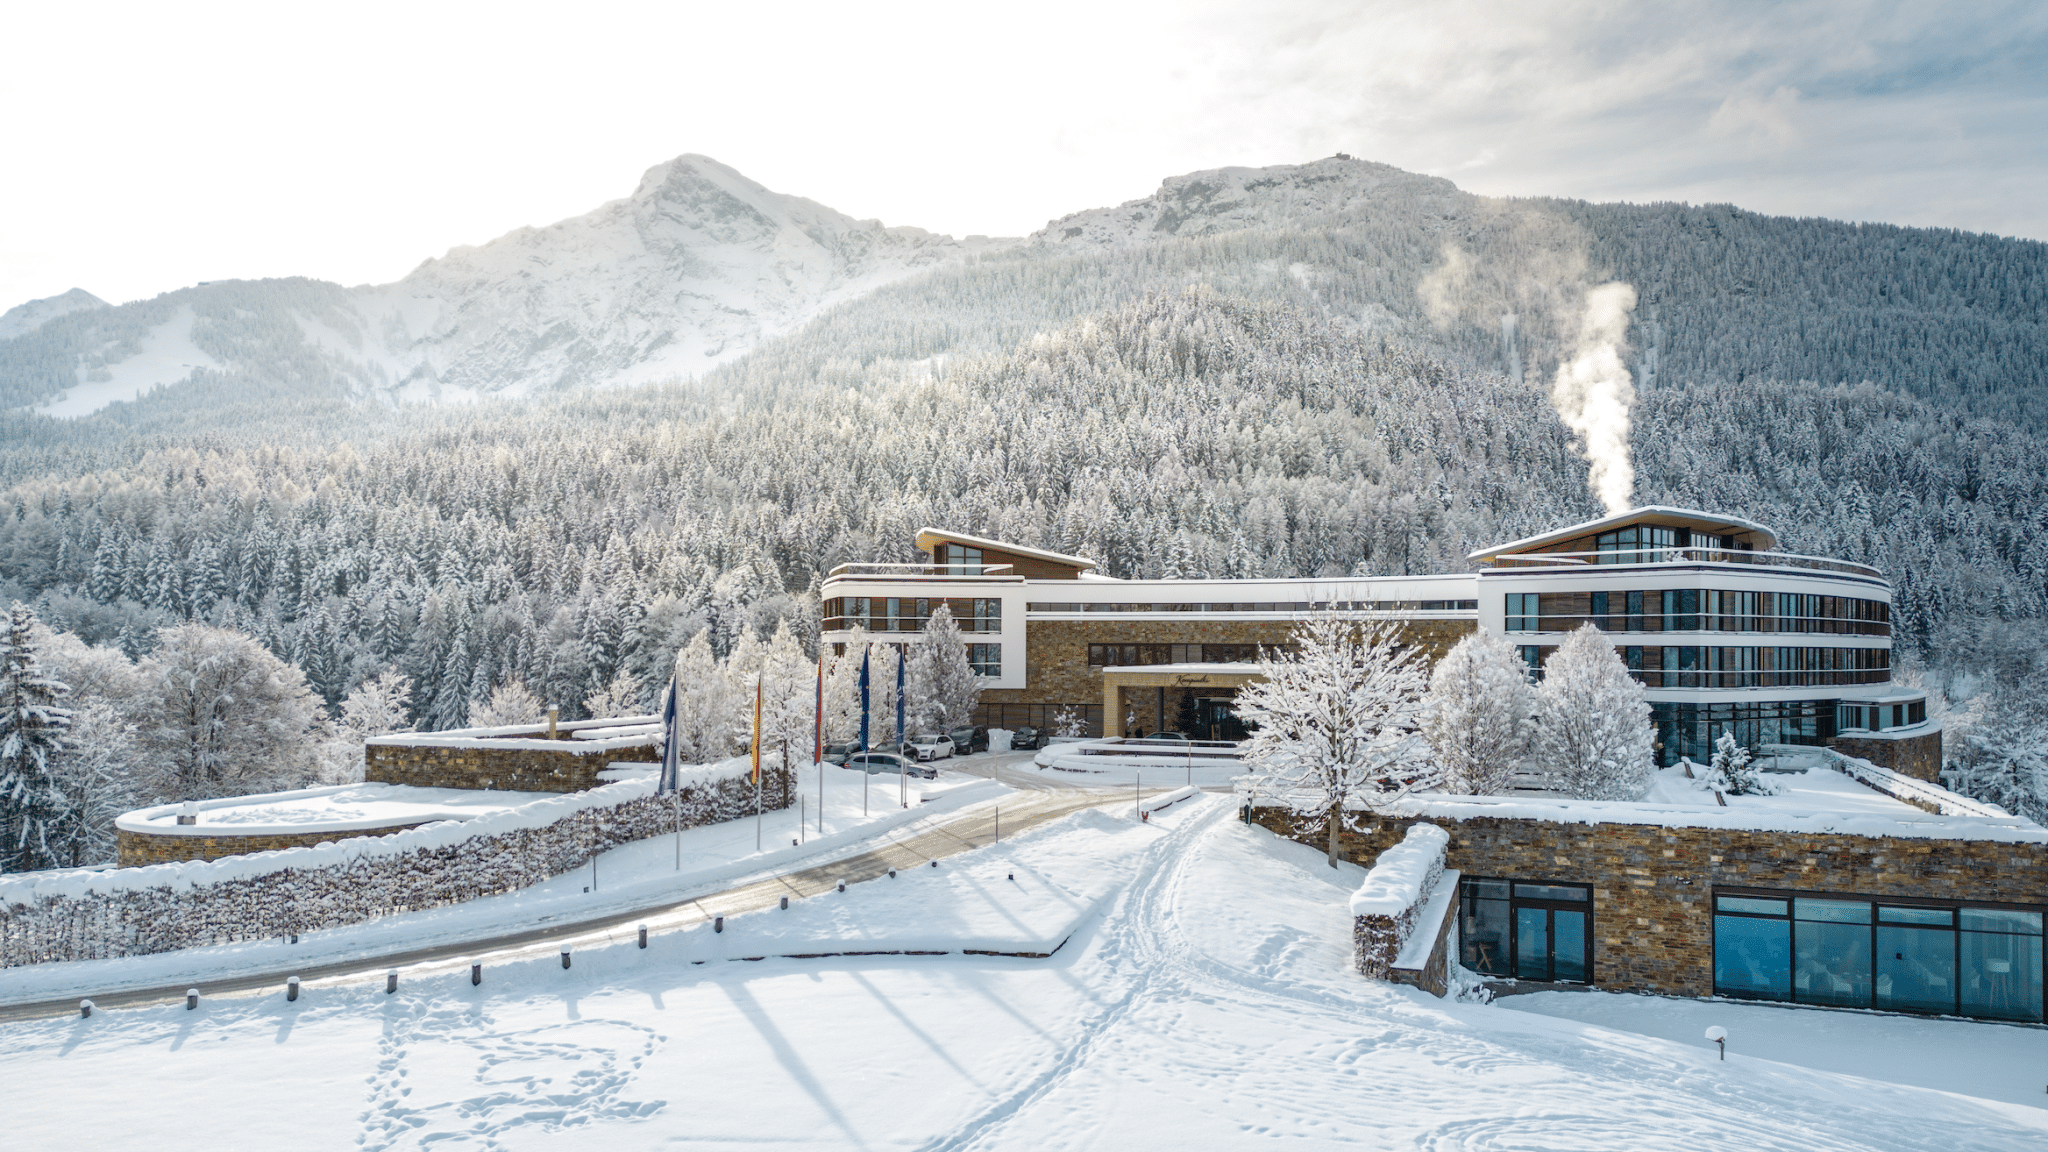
x=926, y=571
x=908, y=623
x=1647, y=556
x=1662, y=623
x=1686, y=678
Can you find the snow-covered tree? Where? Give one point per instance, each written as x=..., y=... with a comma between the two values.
x=1337, y=723
x=34, y=805
x=1732, y=772
x=2001, y=756
x=1069, y=721
x=1593, y=738
x=99, y=772
x=946, y=677
x=1479, y=713
x=704, y=708
x=511, y=703
x=789, y=691
x=621, y=697
x=220, y=716
x=378, y=707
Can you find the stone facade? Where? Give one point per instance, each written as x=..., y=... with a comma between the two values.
x=1056, y=668
x=1915, y=756
x=1653, y=886
x=548, y=766
x=138, y=849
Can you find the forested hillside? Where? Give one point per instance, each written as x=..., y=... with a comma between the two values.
x=562, y=541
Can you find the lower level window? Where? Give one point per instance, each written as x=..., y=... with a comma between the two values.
x=986, y=659
x=1527, y=930
x=1860, y=952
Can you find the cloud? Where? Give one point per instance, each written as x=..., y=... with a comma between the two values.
x=1769, y=123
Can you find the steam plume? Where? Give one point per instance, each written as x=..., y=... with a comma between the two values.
x=1593, y=394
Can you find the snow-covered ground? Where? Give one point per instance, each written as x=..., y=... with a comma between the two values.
x=338, y=808
x=662, y=869
x=1207, y=1005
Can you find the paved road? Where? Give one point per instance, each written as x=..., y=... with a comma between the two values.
x=976, y=827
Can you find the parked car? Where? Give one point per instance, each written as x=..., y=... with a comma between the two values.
x=876, y=763
x=1180, y=737
x=1028, y=738
x=969, y=739
x=929, y=746
x=837, y=753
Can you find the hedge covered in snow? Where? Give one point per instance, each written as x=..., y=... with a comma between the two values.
x=85, y=915
x=1387, y=905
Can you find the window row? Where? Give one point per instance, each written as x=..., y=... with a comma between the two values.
x=1688, y=731
x=1526, y=931
x=956, y=560
x=984, y=659
x=1268, y=606
x=1688, y=666
x=909, y=614
x=1870, y=952
x=1134, y=655
x=1697, y=610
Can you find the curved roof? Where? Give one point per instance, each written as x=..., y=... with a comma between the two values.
x=1655, y=514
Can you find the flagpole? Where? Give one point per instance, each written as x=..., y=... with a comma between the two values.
x=818, y=741
x=757, y=763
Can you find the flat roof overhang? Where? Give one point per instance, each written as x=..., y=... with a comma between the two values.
x=1659, y=513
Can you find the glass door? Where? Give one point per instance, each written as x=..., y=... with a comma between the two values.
x=1553, y=928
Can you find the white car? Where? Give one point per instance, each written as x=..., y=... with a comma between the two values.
x=930, y=746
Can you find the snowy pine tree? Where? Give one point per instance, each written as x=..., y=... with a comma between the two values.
x=1337, y=723
x=1479, y=713
x=1732, y=772
x=34, y=805
x=1593, y=739
x=952, y=689
x=99, y=772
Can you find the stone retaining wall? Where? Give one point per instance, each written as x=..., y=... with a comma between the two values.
x=549, y=766
x=1915, y=756
x=1652, y=886
x=137, y=849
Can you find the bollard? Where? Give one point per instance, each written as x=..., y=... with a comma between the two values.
x=291, y=989
x=565, y=955
x=390, y=981
x=191, y=999
x=84, y=1009
x=1719, y=1035
x=295, y=937
x=785, y=902
x=1013, y=875
x=643, y=935
x=718, y=924
x=842, y=885
x=892, y=873
x=476, y=971
x=793, y=843
x=935, y=863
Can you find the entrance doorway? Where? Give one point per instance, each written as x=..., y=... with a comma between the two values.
x=1527, y=931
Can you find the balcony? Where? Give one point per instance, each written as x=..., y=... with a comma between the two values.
x=887, y=624
x=1001, y=573
x=1643, y=557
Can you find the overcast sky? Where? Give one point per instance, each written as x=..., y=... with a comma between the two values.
x=150, y=146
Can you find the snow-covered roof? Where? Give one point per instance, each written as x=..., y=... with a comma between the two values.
x=929, y=537
x=1657, y=513
x=336, y=808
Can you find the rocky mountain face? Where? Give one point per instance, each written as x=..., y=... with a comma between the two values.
x=696, y=267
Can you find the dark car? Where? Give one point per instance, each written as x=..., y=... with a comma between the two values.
x=837, y=753
x=876, y=763
x=1028, y=738
x=969, y=739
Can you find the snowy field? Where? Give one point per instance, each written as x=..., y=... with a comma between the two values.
x=1203, y=1001
x=637, y=875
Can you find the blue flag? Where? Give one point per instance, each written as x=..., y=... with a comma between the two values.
x=671, y=747
x=901, y=735
x=864, y=699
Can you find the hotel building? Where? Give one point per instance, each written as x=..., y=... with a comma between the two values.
x=1725, y=632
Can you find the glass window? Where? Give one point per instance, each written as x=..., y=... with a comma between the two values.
x=1755, y=905
x=1941, y=916
x=1533, y=657
x=1522, y=612
x=1916, y=967
x=2001, y=920
x=1568, y=946
x=985, y=659
x=1532, y=943
x=1831, y=952
x=1752, y=957
x=1483, y=937
x=1635, y=611
x=1600, y=607
x=2001, y=964
x=1550, y=892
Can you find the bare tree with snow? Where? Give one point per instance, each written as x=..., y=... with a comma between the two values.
x=1593, y=736
x=378, y=707
x=99, y=772
x=510, y=703
x=221, y=716
x=1479, y=713
x=620, y=697
x=1337, y=723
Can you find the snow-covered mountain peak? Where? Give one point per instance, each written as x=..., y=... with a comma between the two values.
x=1334, y=191
x=25, y=318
